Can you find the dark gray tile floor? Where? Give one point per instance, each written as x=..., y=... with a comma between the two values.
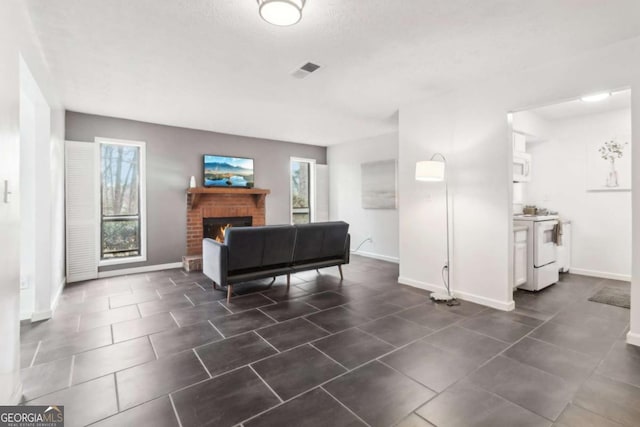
x=165, y=349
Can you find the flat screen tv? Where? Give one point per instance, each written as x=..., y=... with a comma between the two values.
x=220, y=171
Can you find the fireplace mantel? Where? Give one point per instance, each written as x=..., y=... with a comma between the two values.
x=193, y=194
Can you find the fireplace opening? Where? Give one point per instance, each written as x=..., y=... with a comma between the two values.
x=214, y=228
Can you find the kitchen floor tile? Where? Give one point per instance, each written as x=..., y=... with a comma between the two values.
x=45, y=378
x=122, y=300
x=429, y=365
x=465, y=405
x=281, y=293
x=610, y=399
x=373, y=309
x=313, y=409
x=573, y=337
x=80, y=402
x=296, y=371
x=496, y=327
x=144, y=326
x=180, y=339
x=466, y=343
x=247, y=302
x=157, y=413
x=337, y=319
x=575, y=416
x=572, y=366
x=414, y=421
x=164, y=305
x=154, y=379
x=395, y=330
x=231, y=353
x=291, y=333
x=286, y=310
x=224, y=401
x=428, y=316
x=79, y=342
x=103, y=318
x=378, y=394
x=199, y=313
x=325, y=300
x=531, y=388
x=622, y=363
x=116, y=357
x=234, y=324
x=352, y=347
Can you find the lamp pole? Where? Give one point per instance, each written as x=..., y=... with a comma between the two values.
x=446, y=194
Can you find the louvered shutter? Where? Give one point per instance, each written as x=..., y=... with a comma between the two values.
x=82, y=210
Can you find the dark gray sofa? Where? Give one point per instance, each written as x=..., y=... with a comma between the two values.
x=250, y=253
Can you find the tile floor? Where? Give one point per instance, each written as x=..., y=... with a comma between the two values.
x=164, y=349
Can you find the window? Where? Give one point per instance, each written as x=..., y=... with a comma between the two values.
x=122, y=202
x=302, y=190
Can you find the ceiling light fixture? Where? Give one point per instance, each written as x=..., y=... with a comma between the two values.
x=595, y=97
x=281, y=12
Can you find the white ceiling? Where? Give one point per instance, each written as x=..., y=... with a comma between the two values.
x=619, y=100
x=215, y=65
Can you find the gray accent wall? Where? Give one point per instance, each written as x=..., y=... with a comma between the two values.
x=175, y=154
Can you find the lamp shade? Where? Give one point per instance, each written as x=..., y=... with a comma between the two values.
x=430, y=170
x=281, y=12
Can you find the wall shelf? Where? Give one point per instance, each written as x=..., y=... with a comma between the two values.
x=194, y=194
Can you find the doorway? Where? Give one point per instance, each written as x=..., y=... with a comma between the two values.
x=571, y=201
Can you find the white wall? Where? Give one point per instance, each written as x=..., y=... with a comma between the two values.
x=41, y=199
x=601, y=221
x=16, y=39
x=381, y=225
x=470, y=126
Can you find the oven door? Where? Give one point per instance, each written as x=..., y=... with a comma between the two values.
x=545, y=250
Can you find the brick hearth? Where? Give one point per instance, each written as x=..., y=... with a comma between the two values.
x=221, y=202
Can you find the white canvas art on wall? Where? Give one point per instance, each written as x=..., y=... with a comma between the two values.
x=609, y=164
x=379, y=185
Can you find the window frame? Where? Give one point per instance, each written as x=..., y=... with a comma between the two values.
x=312, y=187
x=142, y=196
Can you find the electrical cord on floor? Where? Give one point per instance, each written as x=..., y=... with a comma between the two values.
x=454, y=301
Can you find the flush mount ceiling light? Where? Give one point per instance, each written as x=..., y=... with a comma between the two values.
x=281, y=12
x=595, y=97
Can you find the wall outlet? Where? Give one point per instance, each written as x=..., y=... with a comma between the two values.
x=24, y=284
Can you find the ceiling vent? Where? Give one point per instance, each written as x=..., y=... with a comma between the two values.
x=305, y=70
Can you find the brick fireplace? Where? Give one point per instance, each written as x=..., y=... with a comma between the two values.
x=220, y=203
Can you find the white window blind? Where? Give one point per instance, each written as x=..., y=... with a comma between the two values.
x=82, y=215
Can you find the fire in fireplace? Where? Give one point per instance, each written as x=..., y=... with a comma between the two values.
x=214, y=228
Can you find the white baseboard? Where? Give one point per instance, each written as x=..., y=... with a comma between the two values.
x=48, y=314
x=633, y=339
x=600, y=274
x=376, y=256
x=136, y=270
x=489, y=302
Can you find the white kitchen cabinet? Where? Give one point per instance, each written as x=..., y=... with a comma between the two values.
x=519, y=257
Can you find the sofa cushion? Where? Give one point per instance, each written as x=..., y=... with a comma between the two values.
x=257, y=247
x=320, y=241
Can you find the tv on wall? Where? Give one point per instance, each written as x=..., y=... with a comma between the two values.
x=220, y=171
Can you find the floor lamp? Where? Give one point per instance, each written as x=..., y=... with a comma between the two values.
x=434, y=171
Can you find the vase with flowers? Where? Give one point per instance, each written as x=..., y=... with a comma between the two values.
x=611, y=151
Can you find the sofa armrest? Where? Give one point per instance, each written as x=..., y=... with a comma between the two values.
x=347, y=249
x=214, y=261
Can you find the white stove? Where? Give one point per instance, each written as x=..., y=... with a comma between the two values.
x=542, y=251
